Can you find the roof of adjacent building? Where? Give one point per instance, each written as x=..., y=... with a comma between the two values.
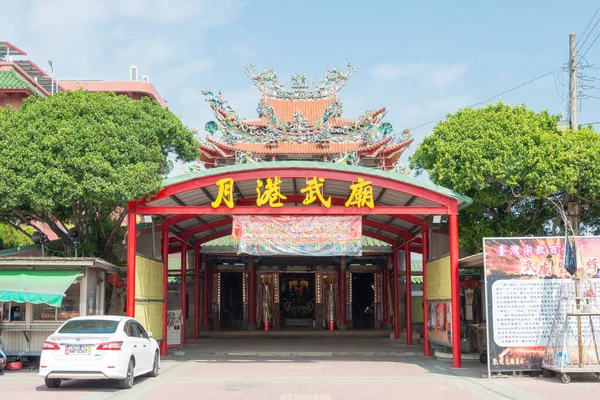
x=11, y=80
x=119, y=87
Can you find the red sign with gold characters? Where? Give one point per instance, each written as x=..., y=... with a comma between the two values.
x=268, y=192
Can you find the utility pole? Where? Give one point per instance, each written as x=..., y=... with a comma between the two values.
x=573, y=206
x=573, y=80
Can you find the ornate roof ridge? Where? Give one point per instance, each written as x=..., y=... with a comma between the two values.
x=267, y=81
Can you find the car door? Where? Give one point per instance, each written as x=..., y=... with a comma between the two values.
x=147, y=349
x=135, y=343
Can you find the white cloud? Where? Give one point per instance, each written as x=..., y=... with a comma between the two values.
x=438, y=75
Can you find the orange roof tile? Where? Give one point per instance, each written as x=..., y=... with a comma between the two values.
x=312, y=110
x=297, y=148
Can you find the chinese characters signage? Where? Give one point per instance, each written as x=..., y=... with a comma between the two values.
x=268, y=193
x=524, y=277
x=298, y=235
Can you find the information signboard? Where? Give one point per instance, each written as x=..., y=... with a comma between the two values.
x=524, y=277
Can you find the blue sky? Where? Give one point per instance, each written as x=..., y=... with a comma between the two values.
x=421, y=60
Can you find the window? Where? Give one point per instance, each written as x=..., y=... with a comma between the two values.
x=90, y=326
x=140, y=331
x=13, y=311
x=128, y=328
x=68, y=310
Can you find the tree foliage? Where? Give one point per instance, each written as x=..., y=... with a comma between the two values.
x=515, y=165
x=11, y=236
x=77, y=158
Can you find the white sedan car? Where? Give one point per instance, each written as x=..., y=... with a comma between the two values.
x=99, y=347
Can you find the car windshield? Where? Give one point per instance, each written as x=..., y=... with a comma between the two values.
x=90, y=326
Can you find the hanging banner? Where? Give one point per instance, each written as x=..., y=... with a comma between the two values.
x=263, y=235
x=524, y=277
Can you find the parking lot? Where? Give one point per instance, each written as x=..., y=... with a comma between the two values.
x=304, y=378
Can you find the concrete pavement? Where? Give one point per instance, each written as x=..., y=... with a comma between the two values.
x=304, y=369
x=305, y=378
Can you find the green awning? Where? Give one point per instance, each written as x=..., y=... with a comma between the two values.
x=39, y=286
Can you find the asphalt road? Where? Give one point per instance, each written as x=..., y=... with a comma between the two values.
x=297, y=378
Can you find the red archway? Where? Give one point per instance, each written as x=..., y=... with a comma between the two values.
x=401, y=212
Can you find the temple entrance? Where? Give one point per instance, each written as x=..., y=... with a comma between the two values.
x=297, y=300
x=232, y=304
x=362, y=300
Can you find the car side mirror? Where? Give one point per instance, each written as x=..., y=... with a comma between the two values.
x=149, y=335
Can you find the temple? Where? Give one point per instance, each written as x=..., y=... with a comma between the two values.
x=300, y=123
x=299, y=221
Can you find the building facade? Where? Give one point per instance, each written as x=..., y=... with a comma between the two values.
x=297, y=219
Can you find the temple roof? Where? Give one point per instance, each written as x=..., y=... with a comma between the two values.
x=299, y=124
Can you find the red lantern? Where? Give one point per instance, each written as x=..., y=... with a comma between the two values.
x=120, y=284
x=469, y=283
x=113, y=279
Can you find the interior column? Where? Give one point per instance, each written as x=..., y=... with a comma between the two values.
x=453, y=222
x=425, y=251
x=183, y=295
x=206, y=294
x=196, y=293
x=407, y=268
x=342, y=293
x=396, y=295
x=165, y=310
x=251, y=294
x=384, y=293
x=131, y=252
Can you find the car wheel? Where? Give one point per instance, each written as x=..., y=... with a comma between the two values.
x=127, y=383
x=154, y=372
x=52, y=383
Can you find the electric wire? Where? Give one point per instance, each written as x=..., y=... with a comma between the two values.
x=495, y=96
x=588, y=49
x=586, y=28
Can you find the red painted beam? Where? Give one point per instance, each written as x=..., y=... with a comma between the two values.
x=335, y=201
x=266, y=171
x=385, y=227
x=205, y=227
x=255, y=210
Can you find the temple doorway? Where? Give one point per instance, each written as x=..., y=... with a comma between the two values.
x=362, y=300
x=297, y=300
x=232, y=305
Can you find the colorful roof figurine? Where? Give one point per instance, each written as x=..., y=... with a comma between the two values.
x=300, y=124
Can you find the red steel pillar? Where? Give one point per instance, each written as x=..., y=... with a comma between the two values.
x=455, y=289
x=342, y=293
x=165, y=310
x=251, y=294
x=206, y=294
x=407, y=268
x=131, y=251
x=396, y=297
x=425, y=251
x=384, y=292
x=196, y=293
x=390, y=308
x=183, y=295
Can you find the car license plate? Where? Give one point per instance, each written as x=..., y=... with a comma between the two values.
x=78, y=350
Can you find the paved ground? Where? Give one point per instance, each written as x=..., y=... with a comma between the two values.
x=401, y=376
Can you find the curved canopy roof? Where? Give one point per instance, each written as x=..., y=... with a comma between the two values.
x=403, y=205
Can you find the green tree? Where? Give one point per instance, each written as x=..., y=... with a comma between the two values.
x=13, y=236
x=77, y=158
x=515, y=165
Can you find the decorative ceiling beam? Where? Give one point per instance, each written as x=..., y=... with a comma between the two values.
x=255, y=210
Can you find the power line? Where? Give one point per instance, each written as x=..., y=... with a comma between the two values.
x=493, y=97
x=586, y=28
x=597, y=36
